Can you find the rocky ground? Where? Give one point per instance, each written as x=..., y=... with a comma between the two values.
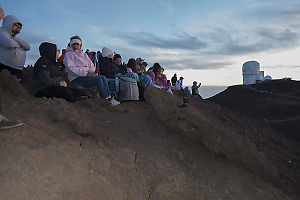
x=153, y=150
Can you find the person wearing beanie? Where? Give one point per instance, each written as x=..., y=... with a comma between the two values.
x=12, y=49
x=107, y=68
x=81, y=70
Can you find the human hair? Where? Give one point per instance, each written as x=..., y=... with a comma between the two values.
x=132, y=65
x=156, y=65
x=117, y=56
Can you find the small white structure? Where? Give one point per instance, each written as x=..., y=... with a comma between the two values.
x=262, y=75
x=268, y=77
x=251, y=72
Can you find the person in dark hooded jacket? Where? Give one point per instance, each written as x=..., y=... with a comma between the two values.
x=48, y=81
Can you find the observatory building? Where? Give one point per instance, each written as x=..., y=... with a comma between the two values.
x=252, y=73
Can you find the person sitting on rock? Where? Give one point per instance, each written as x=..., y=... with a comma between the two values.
x=81, y=70
x=107, y=67
x=140, y=66
x=179, y=83
x=160, y=78
x=13, y=49
x=195, y=88
x=48, y=80
x=151, y=73
x=141, y=77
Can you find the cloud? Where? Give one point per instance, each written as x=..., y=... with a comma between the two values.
x=143, y=39
x=195, y=63
x=37, y=39
x=281, y=66
x=263, y=40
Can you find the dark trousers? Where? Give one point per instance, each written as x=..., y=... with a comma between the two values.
x=14, y=72
x=67, y=93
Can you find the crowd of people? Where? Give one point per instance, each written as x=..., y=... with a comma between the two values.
x=83, y=70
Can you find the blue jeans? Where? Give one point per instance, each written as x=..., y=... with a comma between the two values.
x=99, y=81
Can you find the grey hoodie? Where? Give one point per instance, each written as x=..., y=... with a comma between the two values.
x=12, y=49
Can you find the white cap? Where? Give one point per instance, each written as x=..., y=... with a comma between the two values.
x=106, y=51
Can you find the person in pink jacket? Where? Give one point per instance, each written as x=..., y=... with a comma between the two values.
x=151, y=73
x=81, y=70
x=160, y=78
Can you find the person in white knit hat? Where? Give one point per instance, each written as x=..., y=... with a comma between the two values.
x=107, y=67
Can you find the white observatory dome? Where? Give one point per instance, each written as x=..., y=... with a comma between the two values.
x=251, y=72
x=251, y=68
x=268, y=77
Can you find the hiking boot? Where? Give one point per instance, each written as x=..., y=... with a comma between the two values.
x=114, y=102
x=6, y=124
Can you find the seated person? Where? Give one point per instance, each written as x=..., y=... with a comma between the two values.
x=161, y=79
x=81, y=70
x=107, y=67
x=151, y=73
x=141, y=77
x=179, y=83
x=48, y=80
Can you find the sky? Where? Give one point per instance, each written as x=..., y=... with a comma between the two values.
x=203, y=40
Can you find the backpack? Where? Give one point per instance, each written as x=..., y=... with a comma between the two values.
x=127, y=89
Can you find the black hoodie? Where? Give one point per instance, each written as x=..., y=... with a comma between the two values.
x=46, y=71
x=108, y=68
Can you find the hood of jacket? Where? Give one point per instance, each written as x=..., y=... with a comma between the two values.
x=48, y=50
x=8, y=22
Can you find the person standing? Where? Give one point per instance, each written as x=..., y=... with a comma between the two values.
x=5, y=123
x=195, y=88
x=174, y=80
x=12, y=49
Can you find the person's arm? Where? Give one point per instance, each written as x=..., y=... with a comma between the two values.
x=44, y=77
x=91, y=66
x=72, y=68
x=7, y=41
x=24, y=45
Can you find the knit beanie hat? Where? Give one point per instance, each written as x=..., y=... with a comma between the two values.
x=106, y=51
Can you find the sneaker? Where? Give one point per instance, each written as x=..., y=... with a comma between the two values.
x=114, y=102
x=6, y=124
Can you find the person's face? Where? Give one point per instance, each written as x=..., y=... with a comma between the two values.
x=75, y=46
x=57, y=54
x=16, y=28
x=139, y=62
x=110, y=55
x=118, y=61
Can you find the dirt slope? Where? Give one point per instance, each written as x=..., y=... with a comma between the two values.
x=88, y=150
